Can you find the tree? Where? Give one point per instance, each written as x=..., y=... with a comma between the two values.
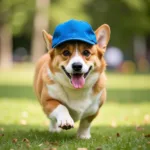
x=41, y=22
x=127, y=19
x=5, y=37
x=5, y=46
x=13, y=16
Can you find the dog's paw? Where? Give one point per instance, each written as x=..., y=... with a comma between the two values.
x=65, y=122
x=84, y=133
x=83, y=136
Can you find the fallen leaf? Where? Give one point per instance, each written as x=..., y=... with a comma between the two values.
x=147, y=135
x=118, y=135
x=26, y=140
x=15, y=140
x=1, y=134
x=82, y=148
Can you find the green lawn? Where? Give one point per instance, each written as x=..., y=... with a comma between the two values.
x=123, y=122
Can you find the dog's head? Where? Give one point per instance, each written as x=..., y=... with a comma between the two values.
x=78, y=64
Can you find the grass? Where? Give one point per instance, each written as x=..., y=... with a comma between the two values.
x=123, y=122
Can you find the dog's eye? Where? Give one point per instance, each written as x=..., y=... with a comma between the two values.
x=86, y=53
x=66, y=53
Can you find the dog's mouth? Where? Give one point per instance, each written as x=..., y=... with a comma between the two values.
x=77, y=79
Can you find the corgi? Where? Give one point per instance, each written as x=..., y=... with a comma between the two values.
x=70, y=82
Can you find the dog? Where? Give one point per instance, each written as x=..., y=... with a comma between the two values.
x=70, y=79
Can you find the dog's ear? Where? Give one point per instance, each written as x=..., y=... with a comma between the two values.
x=48, y=39
x=103, y=36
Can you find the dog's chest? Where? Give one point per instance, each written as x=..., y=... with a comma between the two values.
x=80, y=103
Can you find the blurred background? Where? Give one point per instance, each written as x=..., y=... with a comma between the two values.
x=21, y=22
x=128, y=58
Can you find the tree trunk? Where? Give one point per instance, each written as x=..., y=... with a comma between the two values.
x=40, y=22
x=6, y=58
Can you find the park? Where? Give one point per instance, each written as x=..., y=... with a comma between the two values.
x=123, y=122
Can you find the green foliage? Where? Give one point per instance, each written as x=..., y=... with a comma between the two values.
x=16, y=13
x=139, y=5
x=63, y=10
x=127, y=18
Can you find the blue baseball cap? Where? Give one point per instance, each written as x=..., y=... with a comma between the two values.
x=73, y=30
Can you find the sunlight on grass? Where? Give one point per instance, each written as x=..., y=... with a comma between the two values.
x=24, y=76
x=19, y=75
x=15, y=110
x=126, y=81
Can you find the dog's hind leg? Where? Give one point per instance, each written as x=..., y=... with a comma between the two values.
x=84, y=129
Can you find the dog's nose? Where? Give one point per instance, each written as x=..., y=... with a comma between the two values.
x=77, y=66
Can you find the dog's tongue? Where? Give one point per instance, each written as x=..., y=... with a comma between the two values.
x=77, y=81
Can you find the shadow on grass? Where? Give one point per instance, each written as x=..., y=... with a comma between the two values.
x=16, y=91
x=41, y=132
x=34, y=132
x=128, y=95
x=114, y=95
x=105, y=136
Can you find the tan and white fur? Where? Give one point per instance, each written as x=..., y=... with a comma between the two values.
x=63, y=103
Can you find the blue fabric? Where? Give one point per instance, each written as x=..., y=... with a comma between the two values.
x=73, y=30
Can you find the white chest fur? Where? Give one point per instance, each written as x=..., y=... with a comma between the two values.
x=80, y=103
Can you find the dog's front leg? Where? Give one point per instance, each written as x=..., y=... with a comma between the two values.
x=59, y=115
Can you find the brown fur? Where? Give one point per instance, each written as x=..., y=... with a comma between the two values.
x=54, y=59
x=40, y=80
x=41, y=75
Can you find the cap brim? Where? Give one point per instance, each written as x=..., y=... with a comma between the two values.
x=74, y=39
